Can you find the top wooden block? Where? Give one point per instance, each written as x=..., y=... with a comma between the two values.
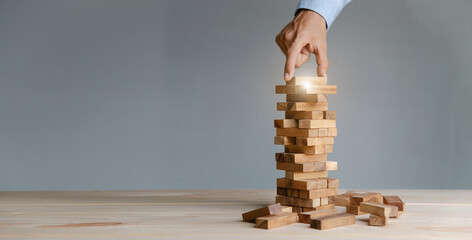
x=307, y=81
x=300, y=89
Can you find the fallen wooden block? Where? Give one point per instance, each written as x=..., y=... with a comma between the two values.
x=398, y=215
x=307, y=132
x=318, y=193
x=301, y=106
x=375, y=220
x=307, y=81
x=306, y=184
x=305, y=217
x=307, y=98
x=298, y=202
x=300, y=157
x=299, y=89
x=287, y=209
x=308, y=167
x=366, y=197
x=342, y=200
x=312, y=141
x=281, y=140
x=276, y=220
x=301, y=175
x=332, y=221
x=315, y=123
x=379, y=209
x=317, y=149
x=321, y=207
x=286, y=123
x=354, y=210
x=263, y=211
x=394, y=201
x=306, y=114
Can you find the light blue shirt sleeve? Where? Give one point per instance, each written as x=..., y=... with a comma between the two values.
x=328, y=9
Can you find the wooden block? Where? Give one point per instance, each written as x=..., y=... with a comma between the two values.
x=312, y=141
x=333, y=182
x=314, y=123
x=307, y=98
x=366, y=197
x=306, y=114
x=377, y=220
x=324, y=200
x=379, y=209
x=286, y=123
x=260, y=212
x=287, y=209
x=298, y=89
x=317, y=149
x=321, y=207
x=307, y=167
x=301, y=106
x=292, y=192
x=307, y=81
x=306, y=184
x=297, y=132
x=332, y=221
x=394, y=201
x=291, y=201
x=305, y=217
x=322, y=132
x=301, y=175
x=276, y=220
x=341, y=200
x=282, y=140
x=332, y=132
x=300, y=157
x=297, y=209
x=282, y=191
x=331, y=199
x=329, y=115
x=398, y=215
x=354, y=210
x=318, y=193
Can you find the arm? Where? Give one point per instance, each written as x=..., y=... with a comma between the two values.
x=306, y=34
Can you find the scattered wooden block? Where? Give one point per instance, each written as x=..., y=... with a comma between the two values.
x=332, y=221
x=318, y=193
x=299, y=89
x=394, y=201
x=379, y=209
x=264, y=211
x=398, y=215
x=291, y=201
x=276, y=220
x=333, y=183
x=307, y=184
x=366, y=197
x=354, y=210
x=301, y=106
x=301, y=175
x=287, y=209
x=300, y=157
x=307, y=81
x=317, y=149
x=375, y=220
x=306, y=114
x=307, y=98
x=342, y=200
x=312, y=141
x=305, y=217
x=315, y=123
x=321, y=207
x=281, y=140
x=286, y=123
x=307, y=167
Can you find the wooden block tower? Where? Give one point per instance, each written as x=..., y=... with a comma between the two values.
x=307, y=133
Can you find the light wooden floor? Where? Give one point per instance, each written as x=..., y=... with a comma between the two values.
x=431, y=214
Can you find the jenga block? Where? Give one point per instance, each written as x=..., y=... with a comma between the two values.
x=314, y=123
x=281, y=140
x=276, y=220
x=287, y=209
x=264, y=211
x=297, y=209
x=292, y=192
x=312, y=141
x=301, y=157
x=377, y=220
x=286, y=123
x=333, y=183
x=318, y=193
x=322, y=132
x=306, y=114
x=307, y=184
x=307, y=98
x=321, y=207
x=307, y=81
x=332, y=132
x=301, y=106
x=379, y=209
x=366, y=197
x=301, y=175
x=331, y=199
x=398, y=214
x=324, y=200
x=354, y=210
x=305, y=217
x=296, y=132
x=307, y=167
x=282, y=191
x=291, y=201
x=298, y=89
x=329, y=115
x=317, y=149
x=341, y=200
x=332, y=221
x=394, y=201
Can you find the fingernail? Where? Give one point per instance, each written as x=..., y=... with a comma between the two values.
x=287, y=76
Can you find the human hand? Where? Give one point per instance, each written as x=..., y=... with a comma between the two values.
x=304, y=35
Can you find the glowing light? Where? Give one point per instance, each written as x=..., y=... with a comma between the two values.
x=307, y=85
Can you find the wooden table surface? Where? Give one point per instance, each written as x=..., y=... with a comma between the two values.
x=431, y=214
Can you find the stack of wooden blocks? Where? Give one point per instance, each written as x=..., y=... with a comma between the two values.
x=307, y=133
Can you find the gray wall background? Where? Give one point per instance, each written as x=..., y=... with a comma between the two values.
x=180, y=94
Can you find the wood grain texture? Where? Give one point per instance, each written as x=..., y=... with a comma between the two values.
x=292, y=201
x=282, y=140
x=263, y=211
x=318, y=193
x=313, y=141
x=285, y=123
x=301, y=106
x=366, y=197
x=276, y=220
x=306, y=184
x=333, y=221
x=377, y=220
x=300, y=157
x=305, y=217
x=317, y=149
x=379, y=209
x=301, y=175
x=354, y=210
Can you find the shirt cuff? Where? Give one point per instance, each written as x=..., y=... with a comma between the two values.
x=328, y=9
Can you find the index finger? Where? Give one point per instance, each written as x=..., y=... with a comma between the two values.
x=292, y=55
